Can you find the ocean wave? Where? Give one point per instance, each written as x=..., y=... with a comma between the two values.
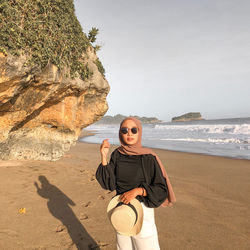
x=103, y=127
x=243, y=129
x=210, y=140
x=231, y=140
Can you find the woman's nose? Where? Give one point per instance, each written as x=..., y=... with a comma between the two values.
x=129, y=132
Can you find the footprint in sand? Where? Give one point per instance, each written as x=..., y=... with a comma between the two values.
x=102, y=244
x=60, y=228
x=101, y=197
x=87, y=204
x=83, y=216
x=92, y=178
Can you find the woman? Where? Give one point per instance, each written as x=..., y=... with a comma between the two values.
x=136, y=172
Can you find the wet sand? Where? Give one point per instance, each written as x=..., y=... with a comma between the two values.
x=65, y=206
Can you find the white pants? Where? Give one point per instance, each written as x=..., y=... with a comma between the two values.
x=147, y=239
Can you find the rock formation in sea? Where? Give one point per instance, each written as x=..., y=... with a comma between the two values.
x=52, y=83
x=192, y=116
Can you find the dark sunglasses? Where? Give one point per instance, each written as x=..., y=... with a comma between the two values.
x=125, y=130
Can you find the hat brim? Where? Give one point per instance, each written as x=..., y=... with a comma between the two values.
x=138, y=225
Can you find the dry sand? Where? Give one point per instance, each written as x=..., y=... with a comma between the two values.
x=64, y=204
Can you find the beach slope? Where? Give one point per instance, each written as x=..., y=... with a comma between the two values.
x=60, y=205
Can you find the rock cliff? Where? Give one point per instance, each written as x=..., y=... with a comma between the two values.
x=192, y=116
x=42, y=107
x=42, y=112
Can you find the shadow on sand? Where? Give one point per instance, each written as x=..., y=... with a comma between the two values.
x=59, y=207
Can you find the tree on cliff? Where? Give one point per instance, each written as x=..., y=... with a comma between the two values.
x=45, y=31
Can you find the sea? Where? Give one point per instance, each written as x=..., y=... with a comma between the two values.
x=220, y=137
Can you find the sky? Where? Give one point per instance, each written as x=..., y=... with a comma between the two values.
x=165, y=58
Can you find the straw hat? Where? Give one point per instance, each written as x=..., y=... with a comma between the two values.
x=125, y=218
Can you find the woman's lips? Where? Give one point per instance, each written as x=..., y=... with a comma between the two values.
x=130, y=139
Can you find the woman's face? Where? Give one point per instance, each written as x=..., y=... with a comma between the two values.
x=130, y=138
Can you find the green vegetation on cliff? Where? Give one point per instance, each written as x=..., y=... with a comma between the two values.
x=46, y=31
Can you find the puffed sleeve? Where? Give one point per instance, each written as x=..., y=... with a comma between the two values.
x=105, y=175
x=155, y=185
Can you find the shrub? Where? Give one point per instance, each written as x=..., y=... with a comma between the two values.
x=45, y=31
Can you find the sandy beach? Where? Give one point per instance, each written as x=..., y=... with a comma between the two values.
x=59, y=205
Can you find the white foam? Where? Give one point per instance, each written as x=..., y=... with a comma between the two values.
x=209, y=140
x=243, y=129
x=103, y=127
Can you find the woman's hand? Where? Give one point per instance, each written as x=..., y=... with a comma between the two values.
x=104, y=149
x=130, y=195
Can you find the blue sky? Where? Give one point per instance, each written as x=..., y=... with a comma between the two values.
x=165, y=58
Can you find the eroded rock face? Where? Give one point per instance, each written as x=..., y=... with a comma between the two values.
x=42, y=112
